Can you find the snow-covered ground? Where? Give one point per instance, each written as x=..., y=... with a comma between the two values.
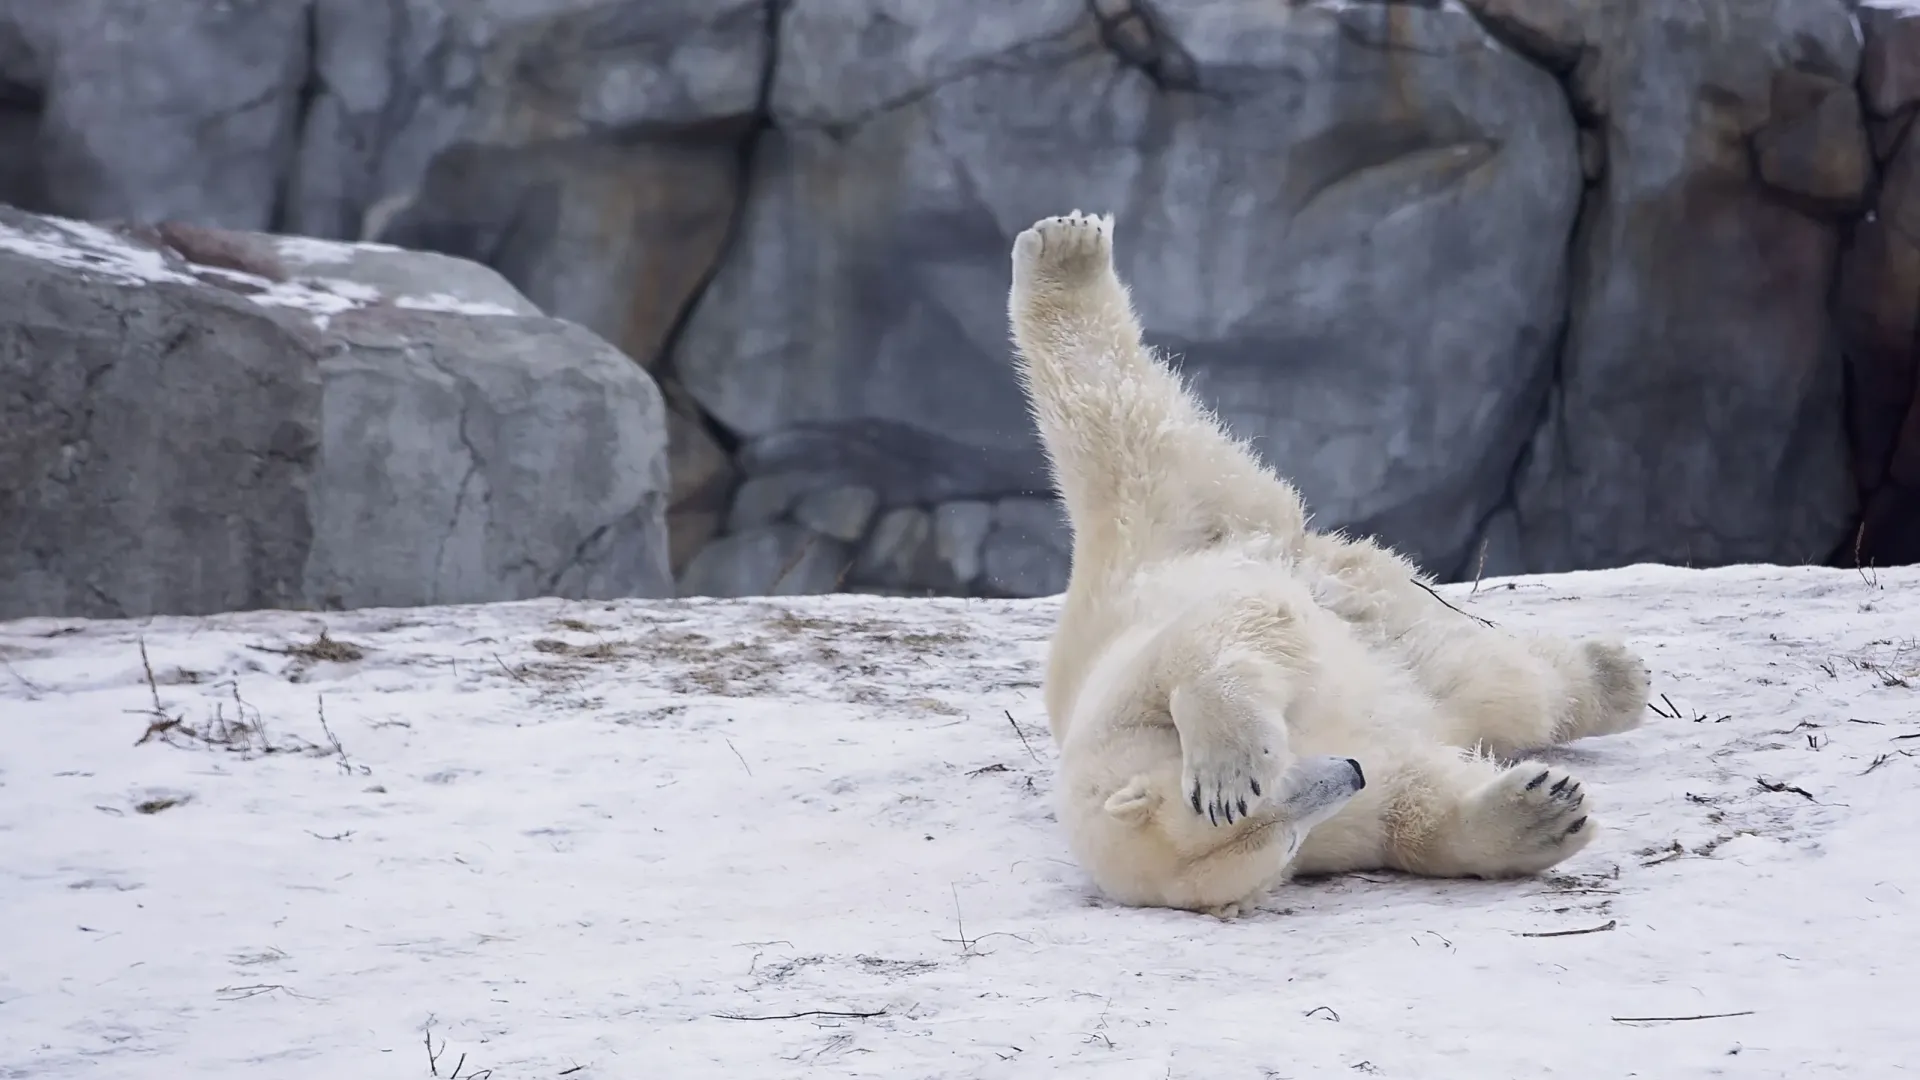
x=812, y=837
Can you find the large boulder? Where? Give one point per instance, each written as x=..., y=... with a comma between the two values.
x=1695, y=414
x=196, y=420
x=1879, y=300
x=1348, y=220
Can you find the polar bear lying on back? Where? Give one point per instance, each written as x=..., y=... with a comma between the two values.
x=1223, y=680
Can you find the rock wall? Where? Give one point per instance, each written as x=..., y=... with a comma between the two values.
x=1515, y=284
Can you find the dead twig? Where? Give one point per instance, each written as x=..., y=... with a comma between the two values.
x=1859, y=540
x=346, y=765
x=153, y=688
x=512, y=674
x=1449, y=606
x=1780, y=786
x=33, y=692
x=1673, y=852
x=1608, y=925
x=736, y=753
x=1676, y=1019
x=1023, y=735
x=810, y=1012
x=965, y=945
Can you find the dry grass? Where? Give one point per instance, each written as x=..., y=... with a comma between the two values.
x=322, y=648
x=697, y=662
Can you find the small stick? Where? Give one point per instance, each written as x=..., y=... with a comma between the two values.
x=959, y=922
x=736, y=753
x=512, y=674
x=152, y=687
x=32, y=690
x=1776, y=785
x=809, y=1012
x=1481, y=568
x=1443, y=600
x=345, y=766
x=1023, y=735
x=1608, y=925
x=1672, y=1019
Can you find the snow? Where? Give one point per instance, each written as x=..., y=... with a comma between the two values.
x=91, y=249
x=450, y=303
x=316, y=252
x=584, y=839
x=86, y=247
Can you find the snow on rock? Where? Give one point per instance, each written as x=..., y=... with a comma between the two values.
x=121, y=256
x=722, y=839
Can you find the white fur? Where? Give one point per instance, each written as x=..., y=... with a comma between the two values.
x=1213, y=655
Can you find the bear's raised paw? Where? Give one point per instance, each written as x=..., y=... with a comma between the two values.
x=1065, y=250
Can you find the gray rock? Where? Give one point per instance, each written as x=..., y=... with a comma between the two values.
x=1890, y=56
x=1695, y=417
x=154, y=109
x=588, y=150
x=22, y=84
x=702, y=477
x=1352, y=233
x=904, y=465
x=772, y=560
x=204, y=427
x=1029, y=551
x=840, y=512
x=1878, y=305
x=899, y=553
x=763, y=500
x=959, y=533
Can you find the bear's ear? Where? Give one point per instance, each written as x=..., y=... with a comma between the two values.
x=1134, y=803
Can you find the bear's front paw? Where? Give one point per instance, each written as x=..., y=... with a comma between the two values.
x=1537, y=813
x=1228, y=781
x=1065, y=250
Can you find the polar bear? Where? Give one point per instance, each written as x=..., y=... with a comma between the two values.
x=1237, y=698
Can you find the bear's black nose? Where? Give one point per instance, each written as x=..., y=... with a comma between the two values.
x=1359, y=778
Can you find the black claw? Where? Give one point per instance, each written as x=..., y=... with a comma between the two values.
x=1256, y=786
x=1537, y=781
x=1578, y=825
x=1211, y=819
x=1243, y=808
x=1196, y=798
x=1562, y=785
